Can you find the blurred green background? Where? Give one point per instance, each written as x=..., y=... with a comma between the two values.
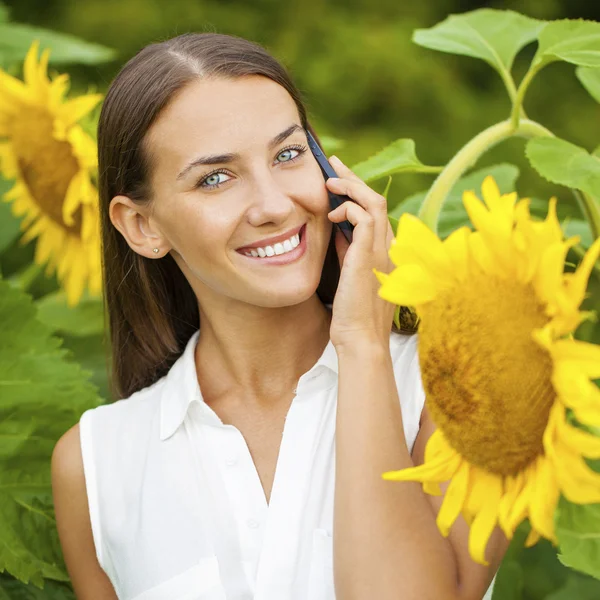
x=362, y=77
x=366, y=84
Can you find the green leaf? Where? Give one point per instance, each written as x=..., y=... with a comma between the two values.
x=42, y=394
x=397, y=157
x=495, y=36
x=578, y=227
x=13, y=589
x=564, y=163
x=15, y=40
x=577, y=587
x=87, y=318
x=509, y=582
x=453, y=214
x=9, y=224
x=590, y=79
x=578, y=533
x=331, y=144
x=574, y=41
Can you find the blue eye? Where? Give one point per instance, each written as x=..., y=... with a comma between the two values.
x=210, y=186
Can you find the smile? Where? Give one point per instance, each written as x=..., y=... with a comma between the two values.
x=281, y=253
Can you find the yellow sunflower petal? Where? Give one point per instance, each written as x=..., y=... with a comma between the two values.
x=580, y=356
x=488, y=488
x=532, y=538
x=58, y=89
x=578, y=440
x=438, y=470
x=577, y=282
x=481, y=255
x=30, y=67
x=513, y=486
x=457, y=247
x=516, y=513
x=74, y=110
x=453, y=499
x=544, y=498
x=408, y=285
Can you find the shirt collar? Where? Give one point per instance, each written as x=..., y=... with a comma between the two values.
x=181, y=386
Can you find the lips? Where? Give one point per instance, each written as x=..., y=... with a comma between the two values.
x=273, y=240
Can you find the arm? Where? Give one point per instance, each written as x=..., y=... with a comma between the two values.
x=89, y=581
x=386, y=542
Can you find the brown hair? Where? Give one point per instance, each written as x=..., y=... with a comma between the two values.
x=152, y=309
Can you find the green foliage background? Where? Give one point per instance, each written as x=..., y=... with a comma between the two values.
x=366, y=84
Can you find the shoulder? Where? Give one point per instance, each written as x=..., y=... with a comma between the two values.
x=134, y=412
x=66, y=462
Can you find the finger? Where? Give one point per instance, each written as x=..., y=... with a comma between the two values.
x=364, y=224
x=342, y=170
x=375, y=204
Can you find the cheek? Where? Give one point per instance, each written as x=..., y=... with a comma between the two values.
x=310, y=187
x=193, y=231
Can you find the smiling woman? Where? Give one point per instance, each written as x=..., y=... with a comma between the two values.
x=246, y=339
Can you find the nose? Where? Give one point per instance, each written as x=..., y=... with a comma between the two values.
x=268, y=200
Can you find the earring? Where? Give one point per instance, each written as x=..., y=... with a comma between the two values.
x=155, y=250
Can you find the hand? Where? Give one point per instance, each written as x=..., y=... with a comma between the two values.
x=359, y=314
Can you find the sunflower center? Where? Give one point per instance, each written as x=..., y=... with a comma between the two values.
x=487, y=382
x=47, y=165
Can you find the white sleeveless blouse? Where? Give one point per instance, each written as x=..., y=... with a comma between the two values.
x=176, y=505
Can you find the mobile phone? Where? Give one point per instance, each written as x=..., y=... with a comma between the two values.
x=334, y=199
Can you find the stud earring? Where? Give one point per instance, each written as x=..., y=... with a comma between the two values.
x=155, y=250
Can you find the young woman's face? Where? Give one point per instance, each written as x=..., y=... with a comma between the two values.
x=207, y=213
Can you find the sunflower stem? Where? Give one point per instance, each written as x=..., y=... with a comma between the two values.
x=517, y=110
x=590, y=210
x=466, y=157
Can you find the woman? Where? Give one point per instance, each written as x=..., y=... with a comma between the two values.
x=262, y=389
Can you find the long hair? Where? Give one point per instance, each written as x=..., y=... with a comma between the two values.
x=151, y=308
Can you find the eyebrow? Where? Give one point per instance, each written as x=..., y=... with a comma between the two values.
x=214, y=159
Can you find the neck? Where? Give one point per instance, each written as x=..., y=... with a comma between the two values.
x=257, y=352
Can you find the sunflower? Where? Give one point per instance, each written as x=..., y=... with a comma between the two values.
x=52, y=160
x=506, y=384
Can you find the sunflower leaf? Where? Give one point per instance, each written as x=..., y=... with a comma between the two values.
x=574, y=41
x=577, y=587
x=15, y=40
x=42, y=394
x=495, y=36
x=13, y=589
x=9, y=224
x=564, y=163
x=590, y=79
x=87, y=318
x=578, y=532
x=397, y=157
x=453, y=214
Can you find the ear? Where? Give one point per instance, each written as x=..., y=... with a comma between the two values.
x=137, y=227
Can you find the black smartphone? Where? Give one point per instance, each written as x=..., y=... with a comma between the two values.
x=334, y=199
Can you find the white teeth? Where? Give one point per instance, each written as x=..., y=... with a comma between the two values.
x=277, y=249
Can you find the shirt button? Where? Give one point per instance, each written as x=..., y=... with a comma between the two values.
x=232, y=460
x=252, y=523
